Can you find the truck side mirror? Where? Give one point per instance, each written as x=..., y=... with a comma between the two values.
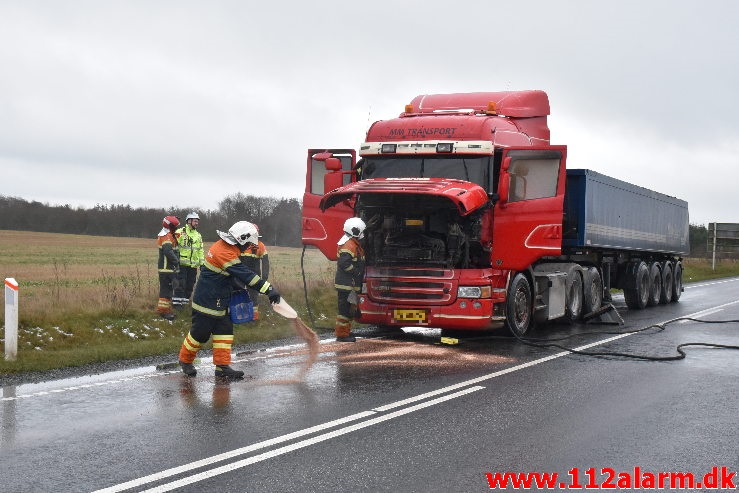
x=332, y=180
x=333, y=164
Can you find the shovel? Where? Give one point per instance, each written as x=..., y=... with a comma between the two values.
x=284, y=309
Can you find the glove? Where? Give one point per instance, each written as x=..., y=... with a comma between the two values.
x=273, y=295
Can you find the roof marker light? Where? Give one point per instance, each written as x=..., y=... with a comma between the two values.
x=492, y=108
x=409, y=108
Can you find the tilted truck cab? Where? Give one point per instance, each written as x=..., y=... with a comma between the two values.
x=470, y=224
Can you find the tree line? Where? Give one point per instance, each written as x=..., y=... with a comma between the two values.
x=279, y=220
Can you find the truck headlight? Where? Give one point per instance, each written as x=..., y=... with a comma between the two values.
x=473, y=292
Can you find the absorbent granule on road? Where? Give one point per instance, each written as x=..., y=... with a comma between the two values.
x=311, y=339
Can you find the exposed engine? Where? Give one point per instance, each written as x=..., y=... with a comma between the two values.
x=422, y=230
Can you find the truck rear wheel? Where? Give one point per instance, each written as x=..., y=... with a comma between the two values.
x=655, y=284
x=519, y=306
x=665, y=294
x=677, y=281
x=592, y=290
x=573, y=298
x=637, y=279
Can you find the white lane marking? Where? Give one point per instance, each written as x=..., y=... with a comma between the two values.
x=233, y=453
x=712, y=283
x=305, y=443
x=707, y=311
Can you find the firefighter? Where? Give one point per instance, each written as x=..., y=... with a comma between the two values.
x=221, y=270
x=167, y=265
x=191, y=258
x=349, y=276
x=256, y=258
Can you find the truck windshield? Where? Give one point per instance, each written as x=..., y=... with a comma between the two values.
x=475, y=169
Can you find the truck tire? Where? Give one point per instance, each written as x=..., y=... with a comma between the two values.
x=665, y=294
x=573, y=295
x=677, y=281
x=637, y=280
x=592, y=291
x=519, y=306
x=655, y=284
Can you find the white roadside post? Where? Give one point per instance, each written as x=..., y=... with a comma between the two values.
x=11, y=319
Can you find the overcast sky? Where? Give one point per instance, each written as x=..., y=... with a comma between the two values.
x=180, y=103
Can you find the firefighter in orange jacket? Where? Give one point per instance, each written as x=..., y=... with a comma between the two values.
x=218, y=275
x=168, y=265
x=256, y=258
x=349, y=276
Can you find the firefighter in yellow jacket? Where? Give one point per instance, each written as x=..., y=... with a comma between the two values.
x=256, y=258
x=191, y=258
x=349, y=276
x=222, y=269
x=167, y=265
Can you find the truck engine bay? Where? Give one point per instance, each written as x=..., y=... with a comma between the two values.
x=422, y=230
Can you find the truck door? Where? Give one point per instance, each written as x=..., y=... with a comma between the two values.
x=527, y=223
x=323, y=229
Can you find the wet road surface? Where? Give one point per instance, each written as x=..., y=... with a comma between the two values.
x=400, y=413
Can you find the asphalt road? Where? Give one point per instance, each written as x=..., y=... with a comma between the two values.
x=397, y=414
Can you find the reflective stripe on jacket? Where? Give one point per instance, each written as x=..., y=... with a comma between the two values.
x=169, y=259
x=215, y=283
x=191, y=246
x=350, y=266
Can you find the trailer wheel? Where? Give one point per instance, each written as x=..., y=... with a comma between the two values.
x=665, y=294
x=519, y=306
x=573, y=297
x=592, y=291
x=655, y=284
x=637, y=279
x=677, y=281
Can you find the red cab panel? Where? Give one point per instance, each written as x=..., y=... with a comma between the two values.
x=323, y=229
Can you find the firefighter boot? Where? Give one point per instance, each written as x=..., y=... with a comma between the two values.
x=188, y=352
x=342, y=329
x=188, y=369
x=164, y=308
x=226, y=371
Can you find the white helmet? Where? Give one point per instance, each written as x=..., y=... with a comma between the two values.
x=192, y=215
x=243, y=232
x=353, y=228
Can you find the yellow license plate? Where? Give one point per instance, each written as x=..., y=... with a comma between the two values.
x=409, y=315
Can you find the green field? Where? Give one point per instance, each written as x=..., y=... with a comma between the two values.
x=90, y=299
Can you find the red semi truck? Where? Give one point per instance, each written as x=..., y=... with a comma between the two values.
x=474, y=221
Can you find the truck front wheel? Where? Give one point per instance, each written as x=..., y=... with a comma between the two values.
x=519, y=306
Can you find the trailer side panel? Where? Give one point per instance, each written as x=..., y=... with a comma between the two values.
x=603, y=212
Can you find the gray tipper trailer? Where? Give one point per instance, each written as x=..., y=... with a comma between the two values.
x=615, y=235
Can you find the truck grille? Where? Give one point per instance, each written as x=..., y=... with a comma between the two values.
x=412, y=286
